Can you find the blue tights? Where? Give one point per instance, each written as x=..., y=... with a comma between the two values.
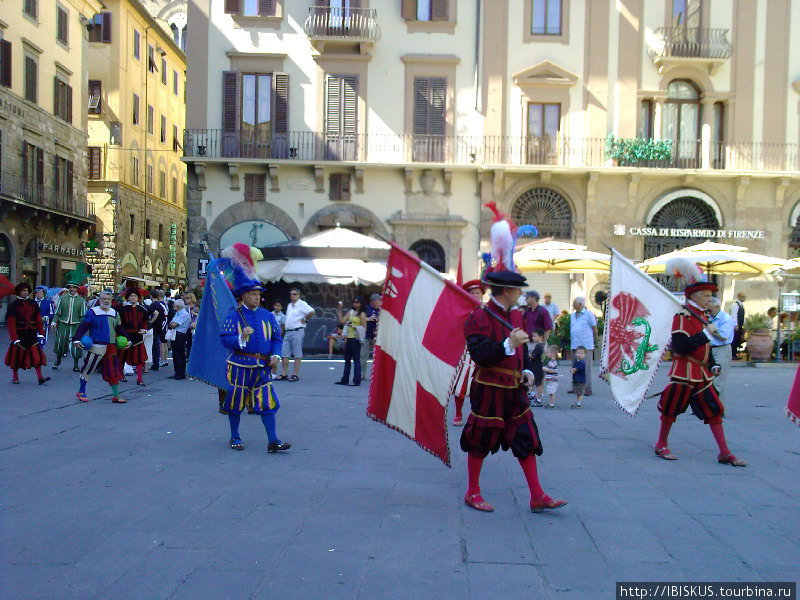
x=267, y=419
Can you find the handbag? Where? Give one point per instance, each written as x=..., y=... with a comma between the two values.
x=170, y=335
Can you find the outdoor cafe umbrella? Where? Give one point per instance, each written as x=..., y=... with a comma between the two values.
x=719, y=259
x=559, y=257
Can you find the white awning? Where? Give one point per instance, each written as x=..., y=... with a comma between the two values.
x=336, y=271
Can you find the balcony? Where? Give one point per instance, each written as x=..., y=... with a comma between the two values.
x=681, y=45
x=336, y=25
x=564, y=152
x=46, y=197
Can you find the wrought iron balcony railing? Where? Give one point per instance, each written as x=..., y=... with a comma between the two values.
x=14, y=186
x=560, y=151
x=690, y=42
x=336, y=23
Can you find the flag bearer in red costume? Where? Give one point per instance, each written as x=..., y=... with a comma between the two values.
x=693, y=367
x=25, y=329
x=134, y=319
x=500, y=415
x=467, y=366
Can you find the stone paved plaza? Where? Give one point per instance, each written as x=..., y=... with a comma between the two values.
x=146, y=501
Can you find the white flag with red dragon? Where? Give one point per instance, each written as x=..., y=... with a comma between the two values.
x=418, y=346
x=637, y=333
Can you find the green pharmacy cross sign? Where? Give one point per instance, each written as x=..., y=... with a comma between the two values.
x=91, y=245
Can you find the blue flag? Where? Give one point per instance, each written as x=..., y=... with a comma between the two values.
x=208, y=360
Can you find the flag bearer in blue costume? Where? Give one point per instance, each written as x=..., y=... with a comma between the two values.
x=101, y=333
x=253, y=336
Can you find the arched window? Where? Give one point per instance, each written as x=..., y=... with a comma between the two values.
x=681, y=122
x=545, y=208
x=253, y=233
x=431, y=252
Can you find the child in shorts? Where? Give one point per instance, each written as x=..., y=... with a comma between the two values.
x=579, y=375
x=536, y=348
x=551, y=375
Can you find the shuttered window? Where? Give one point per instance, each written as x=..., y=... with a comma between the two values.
x=162, y=184
x=62, y=100
x=164, y=70
x=137, y=44
x=339, y=186
x=31, y=79
x=32, y=165
x=150, y=119
x=232, y=101
x=341, y=116
x=425, y=10
x=5, y=63
x=135, y=171
x=31, y=8
x=95, y=93
x=255, y=187
x=429, y=105
x=101, y=28
x=163, y=129
x=150, y=178
x=95, y=162
x=175, y=82
x=62, y=179
x=251, y=8
x=135, y=117
x=62, y=25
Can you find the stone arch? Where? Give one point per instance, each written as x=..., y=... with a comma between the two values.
x=251, y=211
x=360, y=213
x=129, y=266
x=159, y=267
x=546, y=208
x=795, y=214
x=668, y=197
x=147, y=265
x=7, y=240
x=693, y=73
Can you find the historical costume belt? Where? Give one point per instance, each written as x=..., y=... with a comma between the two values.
x=696, y=361
x=493, y=372
x=265, y=357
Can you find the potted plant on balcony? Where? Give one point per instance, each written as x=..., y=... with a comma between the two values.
x=636, y=151
x=759, y=340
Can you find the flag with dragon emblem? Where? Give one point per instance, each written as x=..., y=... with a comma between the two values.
x=638, y=328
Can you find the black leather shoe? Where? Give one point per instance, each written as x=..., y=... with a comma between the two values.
x=276, y=447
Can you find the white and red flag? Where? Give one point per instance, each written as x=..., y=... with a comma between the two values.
x=637, y=333
x=419, y=344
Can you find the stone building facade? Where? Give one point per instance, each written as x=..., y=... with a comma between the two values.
x=45, y=217
x=646, y=125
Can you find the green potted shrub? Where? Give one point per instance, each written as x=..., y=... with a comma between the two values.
x=759, y=340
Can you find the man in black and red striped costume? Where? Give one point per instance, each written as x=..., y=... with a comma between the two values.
x=693, y=366
x=25, y=329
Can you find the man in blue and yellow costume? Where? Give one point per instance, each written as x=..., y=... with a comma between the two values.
x=254, y=338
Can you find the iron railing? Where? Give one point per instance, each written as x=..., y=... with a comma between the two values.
x=691, y=42
x=46, y=196
x=559, y=151
x=337, y=23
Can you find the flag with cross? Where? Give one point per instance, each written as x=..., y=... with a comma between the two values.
x=419, y=343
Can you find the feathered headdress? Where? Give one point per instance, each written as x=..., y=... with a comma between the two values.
x=500, y=268
x=238, y=265
x=690, y=274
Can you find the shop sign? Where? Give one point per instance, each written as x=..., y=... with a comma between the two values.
x=5, y=270
x=173, y=244
x=202, y=265
x=751, y=234
x=56, y=249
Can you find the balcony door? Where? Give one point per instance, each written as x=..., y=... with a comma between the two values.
x=430, y=118
x=681, y=123
x=256, y=125
x=544, y=121
x=687, y=24
x=336, y=18
x=341, y=117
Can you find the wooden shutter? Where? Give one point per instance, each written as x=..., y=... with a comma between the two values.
x=69, y=175
x=105, y=33
x=333, y=124
x=26, y=148
x=255, y=187
x=438, y=106
x=421, y=105
x=68, y=92
x=39, y=166
x=57, y=97
x=339, y=186
x=408, y=9
x=95, y=162
x=266, y=8
x=233, y=7
x=439, y=10
x=30, y=79
x=62, y=29
x=230, y=100
x=280, y=110
x=350, y=105
x=5, y=63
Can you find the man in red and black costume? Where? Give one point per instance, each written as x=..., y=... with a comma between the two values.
x=500, y=415
x=692, y=373
x=25, y=329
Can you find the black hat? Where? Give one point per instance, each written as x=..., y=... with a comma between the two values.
x=21, y=286
x=505, y=279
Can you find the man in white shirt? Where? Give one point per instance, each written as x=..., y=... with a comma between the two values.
x=180, y=323
x=721, y=345
x=298, y=313
x=551, y=307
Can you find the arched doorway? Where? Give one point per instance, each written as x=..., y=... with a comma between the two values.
x=546, y=209
x=431, y=252
x=682, y=212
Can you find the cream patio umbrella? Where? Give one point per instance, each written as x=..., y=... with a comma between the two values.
x=715, y=258
x=551, y=256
